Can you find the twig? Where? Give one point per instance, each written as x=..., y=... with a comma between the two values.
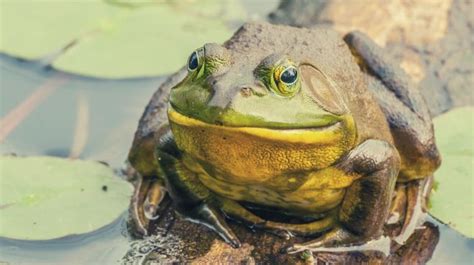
x=13, y=118
x=81, y=132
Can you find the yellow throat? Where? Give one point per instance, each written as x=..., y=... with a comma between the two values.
x=251, y=155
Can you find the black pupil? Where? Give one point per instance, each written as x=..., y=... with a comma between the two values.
x=289, y=75
x=193, y=61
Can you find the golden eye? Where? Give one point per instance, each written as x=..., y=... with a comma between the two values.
x=286, y=80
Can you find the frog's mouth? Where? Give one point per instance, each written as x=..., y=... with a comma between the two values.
x=228, y=117
x=326, y=134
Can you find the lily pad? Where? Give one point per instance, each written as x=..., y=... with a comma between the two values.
x=150, y=41
x=46, y=197
x=453, y=200
x=115, y=39
x=33, y=29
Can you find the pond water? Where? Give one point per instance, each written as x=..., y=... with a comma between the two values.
x=53, y=108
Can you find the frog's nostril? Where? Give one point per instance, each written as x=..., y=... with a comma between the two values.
x=246, y=91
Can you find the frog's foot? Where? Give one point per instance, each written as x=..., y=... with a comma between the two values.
x=398, y=206
x=340, y=240
x=416, y=191
x=331, y=241
x=212, y=218
x=146, y=200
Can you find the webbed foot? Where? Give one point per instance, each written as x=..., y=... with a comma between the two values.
x=213, y=219
x=146, y=200
x=334, y=239
x=408, y=206
x=340, y=240
x=416, y=193
x=398, y=206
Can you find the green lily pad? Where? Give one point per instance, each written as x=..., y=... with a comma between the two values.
x=33, y=29
x=46, y=197
x=115, y=39
x=453, y=200
x=150, y=41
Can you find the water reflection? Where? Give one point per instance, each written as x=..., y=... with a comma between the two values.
x=114, y=107
x=104, y=246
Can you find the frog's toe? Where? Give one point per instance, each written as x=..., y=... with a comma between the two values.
x=146, y=200
x=398, y=205
x=414, y=209
x=344, y=243
x=213, y=218
x=280, y=232
x=329, y=242
x=153, y=199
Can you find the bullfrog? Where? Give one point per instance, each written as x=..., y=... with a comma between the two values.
x=300, y=122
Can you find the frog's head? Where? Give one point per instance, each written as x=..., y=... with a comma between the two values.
x=277, y=92
x=253, y=85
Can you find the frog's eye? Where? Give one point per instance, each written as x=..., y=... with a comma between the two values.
x=193, y=61
x=196, y=64
x=286, y=80
x=289, y=75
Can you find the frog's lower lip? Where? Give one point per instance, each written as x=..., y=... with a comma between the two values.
x=316, y=124
x=322, y=135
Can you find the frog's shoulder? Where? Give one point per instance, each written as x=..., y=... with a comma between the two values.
x=153, y=123
x=154, y=115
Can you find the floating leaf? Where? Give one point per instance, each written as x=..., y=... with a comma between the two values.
x=46, y=197
x=33, y=29
x=150, y=41
x=453, y=200
x=115, y=39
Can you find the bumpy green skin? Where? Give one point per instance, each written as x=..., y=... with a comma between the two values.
x=386, y=133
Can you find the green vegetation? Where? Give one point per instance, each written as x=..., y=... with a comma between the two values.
x=46, y=197
x=115, y=39
x=453, y=200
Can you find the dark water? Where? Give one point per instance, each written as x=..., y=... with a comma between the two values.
x=105, y=246
x=453, y=247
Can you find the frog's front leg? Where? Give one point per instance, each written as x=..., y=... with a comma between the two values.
x=410, y=123
x=190, y=197
x=366, y=203
x=148, y=195
x=150, y=187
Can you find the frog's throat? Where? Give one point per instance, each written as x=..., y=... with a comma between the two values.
x=325, y=135
x=250, y=155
